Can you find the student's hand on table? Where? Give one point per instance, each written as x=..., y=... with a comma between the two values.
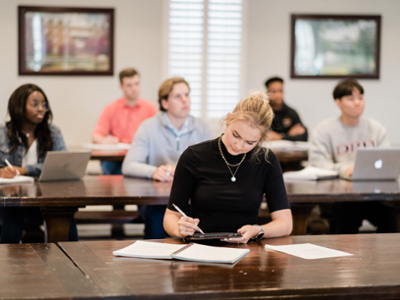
x=164, y=173
x=349, y=171
x=188, y=226
x=296, y=130
x=110, y=140
x=247, y=231
x=274, y=136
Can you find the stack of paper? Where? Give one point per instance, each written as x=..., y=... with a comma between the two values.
x=119, y=146
x=311, y=173
x=287, y=145
x=189, y=252
x=16, y=180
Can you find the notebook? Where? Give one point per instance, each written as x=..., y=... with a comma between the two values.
x=310, y=173
x=62, y=165
x=119, y=146
x=376, y=164
x=16, y=180
x=188, y=252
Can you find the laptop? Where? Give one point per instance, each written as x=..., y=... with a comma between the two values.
x=376, y=164
x=63, y=165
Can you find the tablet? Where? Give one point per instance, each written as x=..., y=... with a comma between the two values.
x=212, y=236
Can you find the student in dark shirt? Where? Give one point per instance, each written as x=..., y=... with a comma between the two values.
x=286, y=124
x=226, y=178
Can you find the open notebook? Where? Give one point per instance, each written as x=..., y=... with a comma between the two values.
x=16, y=180
x=311, y=173
x=189, y=252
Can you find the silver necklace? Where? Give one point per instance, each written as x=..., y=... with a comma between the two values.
x=233, y=178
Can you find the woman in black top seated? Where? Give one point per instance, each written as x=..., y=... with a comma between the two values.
x=226, y=178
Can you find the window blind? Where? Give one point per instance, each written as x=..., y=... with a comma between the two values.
x=204, y=47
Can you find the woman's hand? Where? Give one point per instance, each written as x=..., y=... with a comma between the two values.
x=9, y=172
x=187, y=226
x=247, y=231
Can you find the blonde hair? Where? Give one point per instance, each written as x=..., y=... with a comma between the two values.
x=166, y=88
x=256, y=111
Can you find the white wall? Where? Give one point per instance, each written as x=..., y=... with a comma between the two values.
x=269, y=54
x=77, y=101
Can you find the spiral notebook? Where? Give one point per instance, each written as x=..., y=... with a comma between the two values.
x=188, y=252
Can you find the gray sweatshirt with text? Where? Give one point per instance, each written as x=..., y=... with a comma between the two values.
x=334, y=145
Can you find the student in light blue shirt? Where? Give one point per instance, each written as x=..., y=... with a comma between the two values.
x=160, y=141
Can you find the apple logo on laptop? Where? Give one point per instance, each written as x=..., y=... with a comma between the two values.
x=378, y=164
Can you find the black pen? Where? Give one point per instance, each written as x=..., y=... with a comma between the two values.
x=183, y=214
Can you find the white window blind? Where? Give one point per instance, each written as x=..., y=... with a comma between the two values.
x=204, y=47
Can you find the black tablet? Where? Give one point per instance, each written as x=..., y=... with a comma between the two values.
x=212, y=236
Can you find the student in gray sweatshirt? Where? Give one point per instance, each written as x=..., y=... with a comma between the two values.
x=334, y=145
x=160, y=141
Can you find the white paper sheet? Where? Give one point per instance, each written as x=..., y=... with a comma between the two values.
x=149, y=250
x=308, y=251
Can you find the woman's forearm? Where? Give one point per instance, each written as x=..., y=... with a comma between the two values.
x=281, y=224
x=171, y=220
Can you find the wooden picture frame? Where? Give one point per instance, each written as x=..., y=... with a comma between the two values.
x=335, y=46
x=65, y=41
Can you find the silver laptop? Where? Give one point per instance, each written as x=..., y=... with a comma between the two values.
x=63, y=165
x=376, y=164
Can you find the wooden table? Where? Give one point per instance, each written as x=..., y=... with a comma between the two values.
x=290, y=159
x=41, y=271
x=372, y=273
x=60, y=200
x=114, y=155
x=305, y=195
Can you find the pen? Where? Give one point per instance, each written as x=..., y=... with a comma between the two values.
x=8, y=164
x=183, y=214
x=169, y=171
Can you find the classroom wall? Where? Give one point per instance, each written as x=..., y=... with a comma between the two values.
x=269, y=54
x=77, y=101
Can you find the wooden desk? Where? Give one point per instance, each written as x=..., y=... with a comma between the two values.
x=115, y=155
x=41, y=271
x=60, y=200
x=290, y=160
x=372, y=273
x=304, y=195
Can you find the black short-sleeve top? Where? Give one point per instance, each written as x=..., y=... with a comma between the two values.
x=222, y=205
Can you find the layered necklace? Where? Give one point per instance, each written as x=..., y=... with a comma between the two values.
x=233, y=178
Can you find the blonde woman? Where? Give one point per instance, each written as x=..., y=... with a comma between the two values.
x=226, y=178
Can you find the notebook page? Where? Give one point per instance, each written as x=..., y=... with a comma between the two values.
x=149, y=250
x=16, y=180
x=203, y=253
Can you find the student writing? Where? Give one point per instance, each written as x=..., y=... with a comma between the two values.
x=226, y=178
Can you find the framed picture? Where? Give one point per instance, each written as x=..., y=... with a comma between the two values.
x=335, y=46
x=65, y=41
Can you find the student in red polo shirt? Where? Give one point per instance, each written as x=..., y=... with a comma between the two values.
x=120, y=119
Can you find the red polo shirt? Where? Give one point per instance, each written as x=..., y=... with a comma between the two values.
x=122, y=120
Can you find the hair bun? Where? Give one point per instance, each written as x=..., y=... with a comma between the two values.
x=258, y=95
